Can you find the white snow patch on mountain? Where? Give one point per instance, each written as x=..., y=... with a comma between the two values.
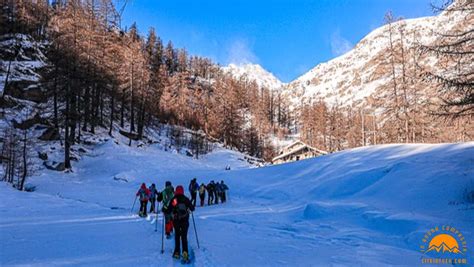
x=255, y=72
x=357, y=74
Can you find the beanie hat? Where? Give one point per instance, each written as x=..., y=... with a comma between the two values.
x=179, y=190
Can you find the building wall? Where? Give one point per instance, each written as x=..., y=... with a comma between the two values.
x=297, y=156
x=291, y=148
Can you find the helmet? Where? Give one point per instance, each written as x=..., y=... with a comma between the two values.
x=168, y=183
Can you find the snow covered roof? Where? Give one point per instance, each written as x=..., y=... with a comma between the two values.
x=303, y=146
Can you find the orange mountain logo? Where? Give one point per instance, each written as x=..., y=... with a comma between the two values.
x=444, y=245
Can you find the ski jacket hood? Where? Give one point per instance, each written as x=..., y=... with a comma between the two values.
x=143, y=186
x=179, y=190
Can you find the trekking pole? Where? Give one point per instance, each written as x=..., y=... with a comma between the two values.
x=134, y=204
x=156, y=220
x=195, y=232
x=163, y=234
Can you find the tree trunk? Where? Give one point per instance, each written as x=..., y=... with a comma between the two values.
x=55, y=101
x=86, y=108
x=132, y=113
x=122, y=109
x=112, y=110
x=78, y=116
x=67, y=144
x=101, y=122
x=25, y=166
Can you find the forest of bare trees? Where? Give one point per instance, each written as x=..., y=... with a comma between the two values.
x=101, y=75
x=401, y=113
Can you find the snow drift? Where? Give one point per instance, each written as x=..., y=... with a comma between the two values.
x=369, y=206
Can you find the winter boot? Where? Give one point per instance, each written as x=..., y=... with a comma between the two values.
x=176, y=255
x=185, y=257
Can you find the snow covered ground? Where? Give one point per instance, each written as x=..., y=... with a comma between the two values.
x=367, y=206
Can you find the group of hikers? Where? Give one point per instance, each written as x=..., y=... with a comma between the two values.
x=176, y=207
x=215, y=191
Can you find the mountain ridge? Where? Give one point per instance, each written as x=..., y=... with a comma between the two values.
x=444, y=248
x=353, y=77
x=255, y=72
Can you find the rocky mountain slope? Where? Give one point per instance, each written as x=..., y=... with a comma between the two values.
x=23, y=58
x=361, y=72
x=365, y=70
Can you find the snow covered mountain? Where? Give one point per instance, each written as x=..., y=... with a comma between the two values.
x=364, y=70
x=256, y=73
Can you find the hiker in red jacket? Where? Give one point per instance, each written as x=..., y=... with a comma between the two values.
x=144, y=195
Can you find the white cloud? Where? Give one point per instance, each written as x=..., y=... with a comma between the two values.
x=239, y=52
x=339, y=45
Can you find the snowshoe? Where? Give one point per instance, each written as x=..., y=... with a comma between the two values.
x=185, y=259
x=176, y=255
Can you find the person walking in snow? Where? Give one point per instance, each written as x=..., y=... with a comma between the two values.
x=144, y=195
x=166, y=195
x=180, y=207
x=153, y=194
x=193, y=188
x=202, y=193
x=223, y=188
x=216, y=190
x=210, y=193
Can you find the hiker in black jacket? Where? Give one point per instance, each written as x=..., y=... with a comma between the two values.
x=216, y=190
x=153, y=195
x=210, y=193
x=223, y=188
x=180, y=206
x=193, y=188
x=202, y=193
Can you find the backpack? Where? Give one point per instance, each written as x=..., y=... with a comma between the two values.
x=168, y=194
x=181, y=211
x=202, y=190
x=143, y=195
x=192, y=187
x=152, y=192
x=210, y=187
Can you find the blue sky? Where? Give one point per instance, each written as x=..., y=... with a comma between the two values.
x=288, y=38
